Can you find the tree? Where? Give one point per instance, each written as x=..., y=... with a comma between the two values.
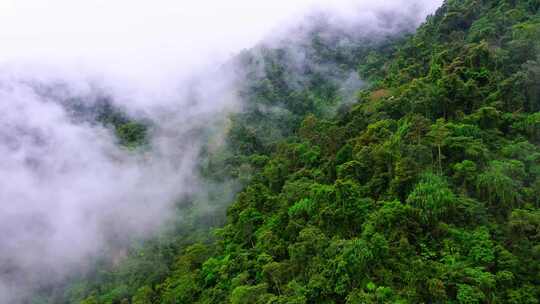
x=433, y=198
x=438, y=134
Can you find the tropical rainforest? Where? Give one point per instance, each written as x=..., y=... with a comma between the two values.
x=421, y=187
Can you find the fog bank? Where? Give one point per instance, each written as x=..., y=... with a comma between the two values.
x=68, y=190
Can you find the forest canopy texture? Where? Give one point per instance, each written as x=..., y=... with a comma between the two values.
x=425, y=189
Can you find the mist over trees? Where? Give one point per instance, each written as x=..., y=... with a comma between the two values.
x=346, y=161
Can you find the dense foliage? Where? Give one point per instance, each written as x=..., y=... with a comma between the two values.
x=426, y=190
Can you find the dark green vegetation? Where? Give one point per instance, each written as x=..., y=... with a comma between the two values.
x=130, y=133
x=426, y=190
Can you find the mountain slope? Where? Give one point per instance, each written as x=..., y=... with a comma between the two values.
x=424, y=191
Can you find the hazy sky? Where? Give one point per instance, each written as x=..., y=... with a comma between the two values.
x=148, y=39
x=155, y=34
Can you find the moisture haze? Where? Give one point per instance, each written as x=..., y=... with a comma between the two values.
x=68, y=190
x=149, y=40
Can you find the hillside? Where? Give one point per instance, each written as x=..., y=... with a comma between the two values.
x=424, y=190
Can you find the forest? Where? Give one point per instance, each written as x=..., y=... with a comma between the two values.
x=423, y=186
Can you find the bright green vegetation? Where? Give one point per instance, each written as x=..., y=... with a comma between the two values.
x=426, y=190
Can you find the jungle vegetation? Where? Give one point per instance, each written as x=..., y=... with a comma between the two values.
x=425, y=189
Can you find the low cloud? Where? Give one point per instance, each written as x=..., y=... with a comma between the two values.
x=68, y=190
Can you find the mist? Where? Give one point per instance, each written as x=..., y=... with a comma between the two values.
x=69, y=191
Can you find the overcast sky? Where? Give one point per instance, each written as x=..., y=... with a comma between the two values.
x=135, y=34
x=147, y=39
